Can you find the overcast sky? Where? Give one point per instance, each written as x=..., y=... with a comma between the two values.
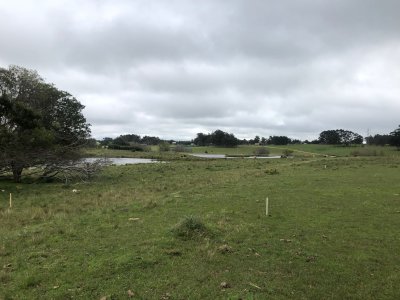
x=249, y=67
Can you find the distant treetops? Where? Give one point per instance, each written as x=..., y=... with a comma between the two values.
x=220, y=138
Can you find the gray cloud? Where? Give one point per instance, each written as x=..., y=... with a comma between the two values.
x=249, y=67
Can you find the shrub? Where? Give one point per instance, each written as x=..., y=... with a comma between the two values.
x=190, y=227
x=164, y=147
x=261, y=151
x=287, y=152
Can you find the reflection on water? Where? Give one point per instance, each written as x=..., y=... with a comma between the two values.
x=123, y=160
x=206, y=155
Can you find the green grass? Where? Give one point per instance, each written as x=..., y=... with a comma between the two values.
x=331, y=150
x=332, y=232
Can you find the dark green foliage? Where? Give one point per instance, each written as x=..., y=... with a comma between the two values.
x=378, y=139
x=217, y=138
x=278, y=140
x=129, y=140
x=131, y=147
x=395, y=138
x=39, y=124
x=339, y=137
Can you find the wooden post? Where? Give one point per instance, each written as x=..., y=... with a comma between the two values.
x=10, y=200
x=266, y=207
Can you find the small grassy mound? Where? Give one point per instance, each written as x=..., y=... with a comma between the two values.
x=191, y=227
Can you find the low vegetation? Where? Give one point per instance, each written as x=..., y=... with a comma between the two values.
x=200, y=226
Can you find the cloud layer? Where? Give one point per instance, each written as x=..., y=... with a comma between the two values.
x=175, y=68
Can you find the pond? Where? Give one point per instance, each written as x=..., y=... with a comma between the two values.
x=119, y=161
x=206, y=155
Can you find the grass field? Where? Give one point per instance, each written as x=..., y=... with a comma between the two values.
x=179, y=230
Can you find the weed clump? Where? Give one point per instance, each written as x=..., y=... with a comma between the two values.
x=271, y=172
x=190, y=227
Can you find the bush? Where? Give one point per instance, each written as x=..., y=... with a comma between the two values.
x=287, y=152
x=190, y=227
x=181, y=148
x=261, y=151
x=164, y=147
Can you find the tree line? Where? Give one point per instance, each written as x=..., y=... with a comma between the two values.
x=221, y=138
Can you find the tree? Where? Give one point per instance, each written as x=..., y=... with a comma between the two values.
x=329, y=137
x=395, y=138
x=279, y=140
x=263, y=141
x=39, y=124
x=340, y=137
x=217, y=138
x=378, y=139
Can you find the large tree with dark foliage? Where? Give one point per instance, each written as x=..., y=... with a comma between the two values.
x=216, y=138
x=278, y=140
x=395, y=138
x=40, y=125
x=378, y=139
x=340, y=137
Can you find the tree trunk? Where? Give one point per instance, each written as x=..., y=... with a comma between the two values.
x=17, y=171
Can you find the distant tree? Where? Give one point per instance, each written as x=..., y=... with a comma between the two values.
x=263, y=141
x=256, y=139
x=395, y=138
x=120, y=141
x=223, y=139
x=39, y=124
x=378, y=139
x=295, y=141
x=202, y=139
x=279, y=140
x=217, y=138
x=340, y=137
x=106, y=141
x=150, y=140
x=131, y=138
x=329, y=137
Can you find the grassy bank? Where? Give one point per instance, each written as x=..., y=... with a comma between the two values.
x=181, y=229
x=300, y=150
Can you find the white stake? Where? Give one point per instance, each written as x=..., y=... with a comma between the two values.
x=266, y=206
x=10, y=200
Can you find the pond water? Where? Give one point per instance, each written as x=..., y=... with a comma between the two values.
x=207, y=155
x=123, y=160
